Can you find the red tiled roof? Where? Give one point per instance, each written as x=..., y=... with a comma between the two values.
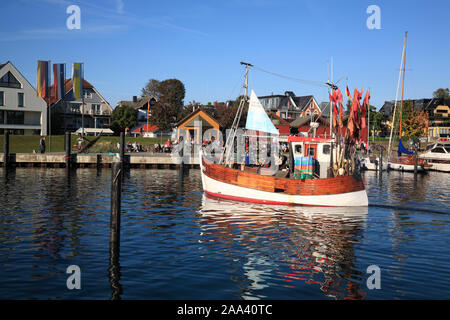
x=145, y=128
x=67, y=86
x=283, y=129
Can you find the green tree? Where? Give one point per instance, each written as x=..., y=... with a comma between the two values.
x=442, y=93
x=225, y=115
x=151, y=89
x=169, y=108
x=123, y=117
x=414, y=123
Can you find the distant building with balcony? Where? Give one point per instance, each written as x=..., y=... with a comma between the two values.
x=21, y=111
x=289, y=106
x=438, y=114
x=69, y=113
x=143, y=105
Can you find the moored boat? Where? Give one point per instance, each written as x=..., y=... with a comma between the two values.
x=250, y=185
x=438, y=157
x=318, y=172
x=405, y=159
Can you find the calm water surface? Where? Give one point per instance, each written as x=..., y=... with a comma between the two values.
x=177, y=244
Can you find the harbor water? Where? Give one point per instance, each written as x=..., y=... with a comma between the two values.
x=177, y=244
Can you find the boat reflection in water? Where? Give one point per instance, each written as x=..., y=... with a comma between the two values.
x=283, y=246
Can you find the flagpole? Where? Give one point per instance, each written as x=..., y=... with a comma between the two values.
x=82, y=99
x=148, y=111
x=48, y=107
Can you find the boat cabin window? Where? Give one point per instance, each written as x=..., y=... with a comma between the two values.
x=326, y=149
x=298, y=148
x=310, y=152
x=438, y=150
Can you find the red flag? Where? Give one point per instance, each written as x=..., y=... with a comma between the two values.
x=341, y=109
x=364, y=108
x=333, y=101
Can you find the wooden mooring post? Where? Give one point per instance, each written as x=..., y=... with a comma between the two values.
x=122, y=150
x=114, y=230
x=6, y=149
x=68, y=148
x=415, y=161
x=116, y=195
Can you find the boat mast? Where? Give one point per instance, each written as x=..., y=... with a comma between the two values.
x=368, y=124
x=331, y=103
x=395, y=104
x=230, y=139
x=403, y=85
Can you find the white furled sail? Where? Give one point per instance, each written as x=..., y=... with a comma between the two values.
x=257, y=118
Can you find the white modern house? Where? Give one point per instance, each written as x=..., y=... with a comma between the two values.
x=21, y=111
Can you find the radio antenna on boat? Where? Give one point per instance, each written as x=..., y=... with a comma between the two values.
x=247, y=65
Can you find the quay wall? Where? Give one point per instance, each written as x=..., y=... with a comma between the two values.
x=96, y=160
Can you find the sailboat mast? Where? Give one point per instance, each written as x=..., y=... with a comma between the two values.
x=331, y=102
x=403, y=85
x=395, y=104
x=368, y=124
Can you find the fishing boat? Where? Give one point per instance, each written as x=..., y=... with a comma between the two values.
x=438, y=156
x=405, y=159
x=318, y=171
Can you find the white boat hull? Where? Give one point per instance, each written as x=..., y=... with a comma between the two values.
x=436, y=166
x=403, y=167
x=366, y=164
x=218, y=189
x=439, y=161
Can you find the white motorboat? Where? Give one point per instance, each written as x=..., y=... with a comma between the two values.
x=438, y=156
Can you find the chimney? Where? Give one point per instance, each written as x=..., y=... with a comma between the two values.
x=134, y=98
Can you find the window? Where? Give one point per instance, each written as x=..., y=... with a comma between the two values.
x=298, y=148
x=2, y=95
x=2, y=117
x=87, y=95
x=326, y=149
x=14, y=117
x=9, y=81
x=20, y=99
x=311, y=152
x=75, y=108
x=96, y=108
x=438, y=150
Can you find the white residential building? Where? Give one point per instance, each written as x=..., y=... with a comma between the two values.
x=21, y=111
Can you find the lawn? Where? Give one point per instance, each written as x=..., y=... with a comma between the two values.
x=109, y=143
x=26, y=144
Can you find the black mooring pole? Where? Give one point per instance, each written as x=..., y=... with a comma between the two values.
x=122, y=149
x=114, y=229
x=6, y=150
x=415, y=161
x=68, y=148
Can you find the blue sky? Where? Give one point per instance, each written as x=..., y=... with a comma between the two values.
x=123, y=43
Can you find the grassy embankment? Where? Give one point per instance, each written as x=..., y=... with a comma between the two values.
x=26, y=144
x=109, y=143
